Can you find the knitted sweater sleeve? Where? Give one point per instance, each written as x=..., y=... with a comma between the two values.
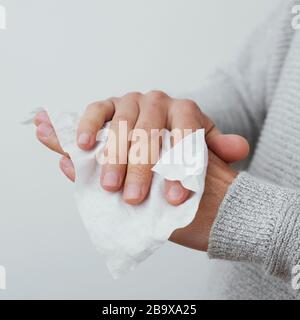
x=258, y=223
x=235, y=97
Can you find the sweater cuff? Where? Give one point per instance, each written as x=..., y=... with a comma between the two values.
x=258, y=223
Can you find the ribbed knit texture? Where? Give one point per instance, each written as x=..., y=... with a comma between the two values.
x=257, y=230
x=258, y=223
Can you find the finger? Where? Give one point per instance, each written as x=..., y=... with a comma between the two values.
x=41, y=117
x=144, y=150
x=175, y=193
x=67, y=167
x=46, y=135
x=185, y=118
x=114, y=170
x=230, y=148
x=92, y=121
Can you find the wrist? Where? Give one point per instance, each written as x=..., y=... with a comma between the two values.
x=218, y=180
x=220, y=177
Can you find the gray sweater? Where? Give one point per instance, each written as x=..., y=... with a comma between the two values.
x=257, y=230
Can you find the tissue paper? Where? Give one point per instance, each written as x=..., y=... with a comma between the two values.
x=126, y=235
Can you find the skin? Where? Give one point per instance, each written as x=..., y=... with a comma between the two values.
x=155, y=110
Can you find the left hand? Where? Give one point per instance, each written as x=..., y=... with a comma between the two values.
x=218, y=179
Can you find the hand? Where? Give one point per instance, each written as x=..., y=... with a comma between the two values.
x=218, y=179
x=154, y=110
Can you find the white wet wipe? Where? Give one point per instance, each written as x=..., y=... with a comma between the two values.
x=126, y=235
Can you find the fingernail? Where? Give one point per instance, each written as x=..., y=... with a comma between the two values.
x=175, y=193
x=45, y=130
x=111, y=179
x=67, y=163
x=42, y=116
x=84, y=139
x=132, y=192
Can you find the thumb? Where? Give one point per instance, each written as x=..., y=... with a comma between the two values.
x=229, y=147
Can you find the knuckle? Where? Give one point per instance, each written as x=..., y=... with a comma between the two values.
x=145, y=125
x=190, y=106
x=135, y=96
x=121, y=117
x=142, y=172
x=155, y=97
x=113, y=100
x=187, y=108
x=153, y=108
x=97, y=105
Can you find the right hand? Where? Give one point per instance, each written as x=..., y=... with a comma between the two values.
x=154, y=110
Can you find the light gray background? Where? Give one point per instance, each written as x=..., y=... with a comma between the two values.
x=65, y=54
